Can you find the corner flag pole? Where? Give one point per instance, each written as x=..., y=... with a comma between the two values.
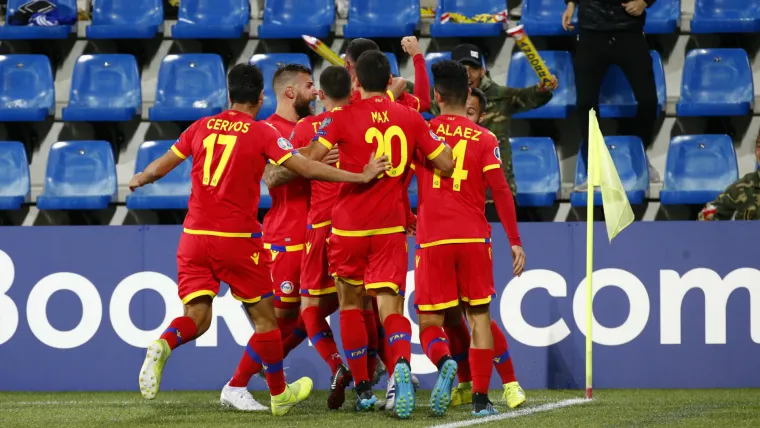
x=593, y=176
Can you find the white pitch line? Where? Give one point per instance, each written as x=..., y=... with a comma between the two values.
x=81, y=403
x=516, y=414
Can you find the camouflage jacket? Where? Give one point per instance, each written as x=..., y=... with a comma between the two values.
x=503, y=102
x=740, y=201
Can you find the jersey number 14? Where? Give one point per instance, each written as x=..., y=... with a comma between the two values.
x=459, y=174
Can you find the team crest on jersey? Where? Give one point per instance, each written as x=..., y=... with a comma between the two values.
x=286, y=287
x=497, y=153
x=284, y=144
x=435, y=137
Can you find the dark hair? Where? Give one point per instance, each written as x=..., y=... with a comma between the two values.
x=357, y=47
x=482, y=100
x=286, y=72
x=245, y=83
x=335, y=82
x=373, y=71
x=451, y=82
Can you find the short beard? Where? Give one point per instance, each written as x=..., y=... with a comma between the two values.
x=303, y=109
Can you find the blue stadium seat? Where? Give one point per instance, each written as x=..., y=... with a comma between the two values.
x=80, y=175
x=14, y=175
x=726, y=16
x=536, y=168
x=104, y=87
x=413, y=192
x=170, y=192
x=27, y=93
x=190, y=86
x=126, y=19
x=716, y=82
x=290, y=19
x=391, y=58
x=616, y=96
x=211, y=19
x=560, y=63
x=265, y=201
x=22, y=32
x=698, y=168
x=389, y=18
x=268, y=64
x=544, y=18
x=467, y=8
x=663, y=16
x=631, y=163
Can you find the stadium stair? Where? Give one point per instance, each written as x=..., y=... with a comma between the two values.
x=170, y=192
x=126, y=19
x=698, y=168
x=716, y=82
x=290, y=19
x=536, y=168
x=631, y=163
x=14, y=175
x=28, y=90
x=190, y=86
x=80, y=175
x=104, y=87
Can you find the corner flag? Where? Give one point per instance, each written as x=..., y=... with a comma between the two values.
x=617, y=216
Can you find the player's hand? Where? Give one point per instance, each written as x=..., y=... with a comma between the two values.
x=134, y=183
x=567, y=17
x=411, y=46
x=411, y=225
x=635, y=7
x=375, y=167
x=332, y=157
x=518, y=260
x=550, y=86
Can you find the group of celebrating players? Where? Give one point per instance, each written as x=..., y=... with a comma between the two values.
x=336, y=236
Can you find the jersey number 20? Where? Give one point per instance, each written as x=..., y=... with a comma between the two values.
x=228, y=141
x=384, y=147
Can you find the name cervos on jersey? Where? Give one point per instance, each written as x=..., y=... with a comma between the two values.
x=227, y=126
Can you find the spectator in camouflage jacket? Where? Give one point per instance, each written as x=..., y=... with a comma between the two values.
x=740, y=200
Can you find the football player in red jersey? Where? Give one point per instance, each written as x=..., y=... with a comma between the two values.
x=368, y=246
x=453, y=261
x=285, y=223
x=222, y=236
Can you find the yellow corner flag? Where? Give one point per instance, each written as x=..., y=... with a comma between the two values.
x=602, y=172
x=617, y=216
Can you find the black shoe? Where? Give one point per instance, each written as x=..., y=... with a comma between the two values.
x=482, y=406
x=365, y=398
x=340, y=381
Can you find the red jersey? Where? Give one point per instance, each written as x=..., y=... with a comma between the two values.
x=285, y=223
x=405, y=99
x=375, y=125
x=323, y=193
x=229, y=153
x=452, y=209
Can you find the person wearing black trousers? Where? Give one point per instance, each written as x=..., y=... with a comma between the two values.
x=612, y=32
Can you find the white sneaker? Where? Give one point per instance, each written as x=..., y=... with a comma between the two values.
x=240, y=398
x=390, y=394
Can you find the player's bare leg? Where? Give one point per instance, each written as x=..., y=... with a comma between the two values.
x=398, y=331
x=264, y=350
x=436, y=346
x=481, y=358
x=195, y=321
x=313, y=311
x=458, y=333
x=353, y=331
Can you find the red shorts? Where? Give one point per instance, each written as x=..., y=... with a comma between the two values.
x=286, y=274
x=203, y=261
x=377, y=261
x=315, y=274
x=446, y=274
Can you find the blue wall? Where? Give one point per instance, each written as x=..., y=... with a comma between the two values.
x=78, y=303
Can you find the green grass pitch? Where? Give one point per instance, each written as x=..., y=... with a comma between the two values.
x=610, y=408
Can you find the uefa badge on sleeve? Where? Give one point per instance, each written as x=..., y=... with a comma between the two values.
x=435, y=137
x=497, y=153
x=284, y=144
x=325, y=123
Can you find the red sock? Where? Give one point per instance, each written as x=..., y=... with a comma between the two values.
x=295, y=338
x=459, y=339
x=268, y=346
x=249, y=365
x=354, y=335
x=502, y=360
x=383, y=350
x=321, y=337
x=480, y=364
x=435, y=344
x=372, y=341
x=181, y=330
x=286, y=326
x=399, y=332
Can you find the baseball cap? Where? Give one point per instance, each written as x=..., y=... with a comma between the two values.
x=467, y=54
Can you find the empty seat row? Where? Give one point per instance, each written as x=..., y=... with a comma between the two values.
x=82, y=174
x=715, y=82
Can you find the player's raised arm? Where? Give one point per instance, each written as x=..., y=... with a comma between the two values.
x=163, y=165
